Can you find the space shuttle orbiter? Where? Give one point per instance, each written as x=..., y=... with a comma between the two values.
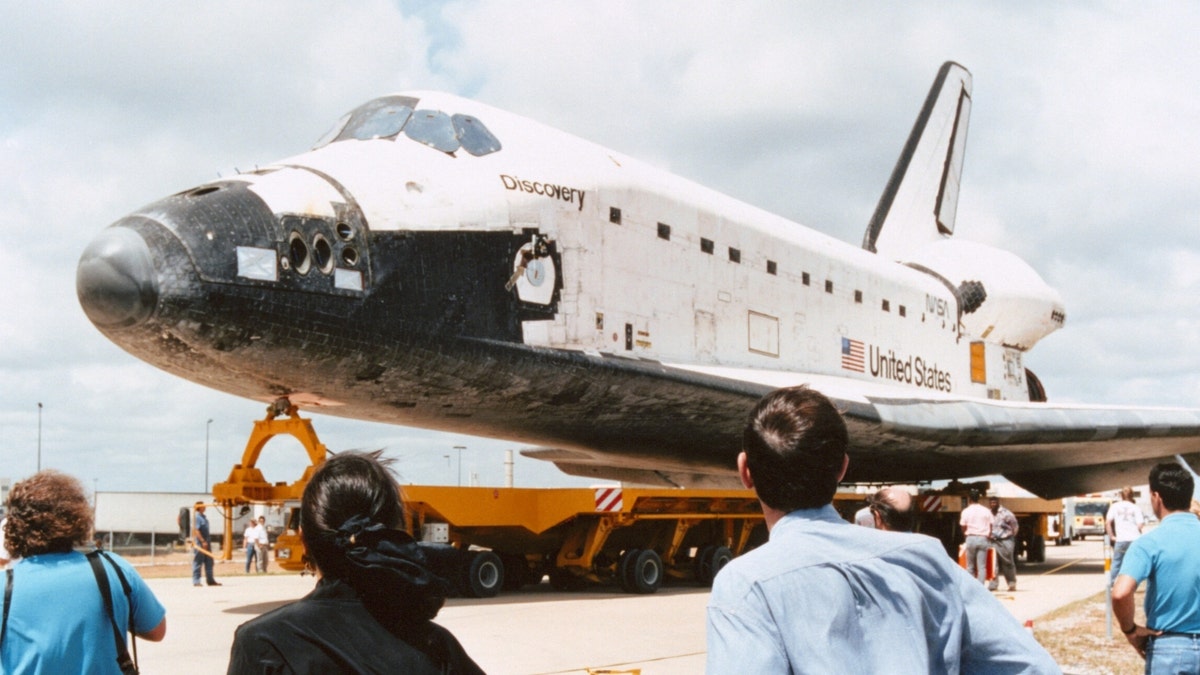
x=439, y=263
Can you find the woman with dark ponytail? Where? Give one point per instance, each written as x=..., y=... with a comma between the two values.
x=375, y=599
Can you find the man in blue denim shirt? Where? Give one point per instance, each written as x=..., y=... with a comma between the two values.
x=823, y=596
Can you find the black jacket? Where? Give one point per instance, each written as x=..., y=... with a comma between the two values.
x=331, y=631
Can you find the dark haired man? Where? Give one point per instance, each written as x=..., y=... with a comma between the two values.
x=1168, y=558
x=823, y=596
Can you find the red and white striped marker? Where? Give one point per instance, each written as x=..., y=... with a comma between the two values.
x=608, y=499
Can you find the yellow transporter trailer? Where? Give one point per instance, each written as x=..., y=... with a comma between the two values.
x=486, y=539
x=492, y=538
x=634, y=536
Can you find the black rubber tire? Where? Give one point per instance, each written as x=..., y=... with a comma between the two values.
x=184, y=520
x=516, y=571
x=702, y=565
x=1037, y=550
x=625, y=569
x=485, y=575
x=646, y=572
x=721, y=556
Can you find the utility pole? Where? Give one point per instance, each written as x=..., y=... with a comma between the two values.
x=207, y=426
x=460, y=448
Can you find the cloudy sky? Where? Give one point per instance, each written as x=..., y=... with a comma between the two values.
x=1083, y=158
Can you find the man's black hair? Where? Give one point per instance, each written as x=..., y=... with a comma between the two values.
x=795, y=442
x=1174, y=485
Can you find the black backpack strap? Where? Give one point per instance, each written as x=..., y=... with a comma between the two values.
x=128, y=600
x=7, y=601
x=106, y=592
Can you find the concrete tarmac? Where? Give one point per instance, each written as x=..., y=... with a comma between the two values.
x=543, y=631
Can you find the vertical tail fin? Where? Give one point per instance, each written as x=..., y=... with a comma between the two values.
x=919, y=203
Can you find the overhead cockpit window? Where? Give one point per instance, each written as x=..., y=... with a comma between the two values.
x=383, y=123
x=385, y=118
x=475, y=138
x=381, y=118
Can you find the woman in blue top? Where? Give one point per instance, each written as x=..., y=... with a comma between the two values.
x=57, y=620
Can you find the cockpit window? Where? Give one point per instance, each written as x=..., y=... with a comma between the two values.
x=475, y=138
x=433, y=128
x=381, y=118
x=385, y=118
x=385, y=122
x=328, y=136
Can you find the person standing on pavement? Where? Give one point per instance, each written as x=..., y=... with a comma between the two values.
x=824, y=596
x=375, y=600
x=1168, y=559
x=67, y=610
x=248, y=540
x=262, y=542
x=1124, y=522
x=202, y=557
x=1004, y=541
x=976, y=523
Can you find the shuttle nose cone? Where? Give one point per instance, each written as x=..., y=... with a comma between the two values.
x=115, y=281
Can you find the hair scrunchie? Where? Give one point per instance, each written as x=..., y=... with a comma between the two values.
x=389, y=568
x=349, y=534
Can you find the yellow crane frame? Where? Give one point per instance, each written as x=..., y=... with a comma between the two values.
x=246, y=483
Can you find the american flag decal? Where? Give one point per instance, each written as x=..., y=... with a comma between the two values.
x=852, y=355
x=608, y=499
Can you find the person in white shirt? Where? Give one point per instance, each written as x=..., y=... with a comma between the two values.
x=1124, y=523
x=976, y=523
x=249, y=538
x=262, y=542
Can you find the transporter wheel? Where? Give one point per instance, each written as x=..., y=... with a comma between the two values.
x=184, y=520
x=516, y=571
x=702, y=565
x=1036, y=552
x=720, y=558
x=646, y=572
x=485, y=575
x=625, y=569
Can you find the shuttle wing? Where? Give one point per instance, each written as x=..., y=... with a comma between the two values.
x=1052, y=451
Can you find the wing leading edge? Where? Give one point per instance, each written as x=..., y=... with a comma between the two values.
x=1052, y=451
